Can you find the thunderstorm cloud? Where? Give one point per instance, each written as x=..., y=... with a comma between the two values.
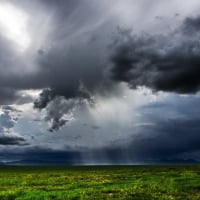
x=100, y=74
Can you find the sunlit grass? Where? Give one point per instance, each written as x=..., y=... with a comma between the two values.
x=100, y=182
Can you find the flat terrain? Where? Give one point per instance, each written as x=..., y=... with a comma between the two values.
x=100, y=182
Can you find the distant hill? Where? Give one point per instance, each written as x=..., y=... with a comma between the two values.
x=70, y=162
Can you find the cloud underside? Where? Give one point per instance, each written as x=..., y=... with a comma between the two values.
x=163, y=62
x=12, y=140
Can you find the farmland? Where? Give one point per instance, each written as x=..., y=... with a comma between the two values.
x=99, y=182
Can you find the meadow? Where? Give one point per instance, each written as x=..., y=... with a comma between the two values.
x=99, y=182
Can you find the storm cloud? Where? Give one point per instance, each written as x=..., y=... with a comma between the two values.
x=97, y=72
x=12, y=140
x=73, y=49
x=72, y=52
x=164, y=61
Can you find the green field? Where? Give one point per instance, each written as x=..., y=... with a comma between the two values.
x=100, y=182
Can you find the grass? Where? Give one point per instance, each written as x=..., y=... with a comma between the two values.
x=100, y=182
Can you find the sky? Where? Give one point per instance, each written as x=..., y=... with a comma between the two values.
x=95, y=82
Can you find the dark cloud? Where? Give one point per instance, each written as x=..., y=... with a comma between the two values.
x=12, y=140
x=59, y=108
x=45, y=97
x=75, y=50
x=167, y=62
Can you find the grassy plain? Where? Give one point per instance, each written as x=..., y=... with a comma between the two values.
x=99, y=182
